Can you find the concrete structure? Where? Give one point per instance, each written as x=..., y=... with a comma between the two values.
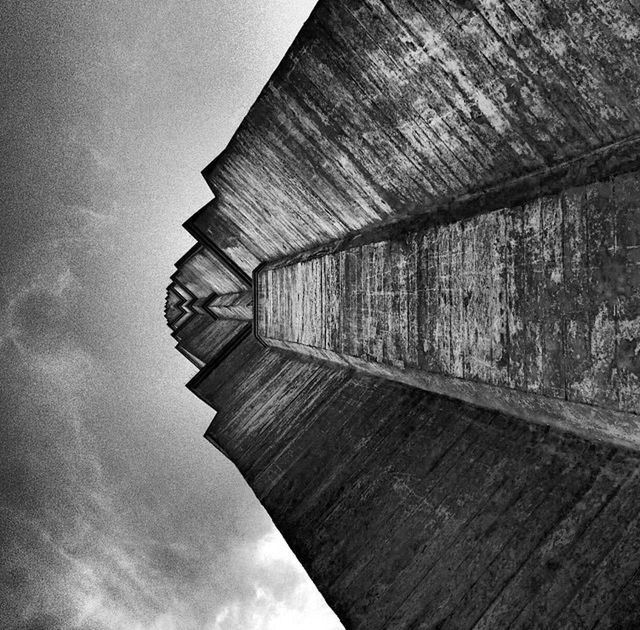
x=432, y=215
x=532, y=310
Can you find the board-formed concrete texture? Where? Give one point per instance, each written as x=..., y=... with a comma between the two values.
x=542, y=298
x=388, y=107
x=208, y=304
x=233, y=306
x=411, y=510
x=431, y=216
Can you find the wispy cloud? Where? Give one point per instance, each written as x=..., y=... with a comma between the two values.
x=99, y=218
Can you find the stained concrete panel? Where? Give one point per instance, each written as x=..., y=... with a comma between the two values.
x=540, y=300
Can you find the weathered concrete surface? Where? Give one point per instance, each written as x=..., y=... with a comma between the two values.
x=203, y=273
x=173, y=303
x=542, y=299
x=178, y=305
x=384, y=108
x=208, y=304
x=203, y=336
x=232, y=306
x=411, y=510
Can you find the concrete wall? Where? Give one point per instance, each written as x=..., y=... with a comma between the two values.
x=173, y=303
x=183, y=302
x=203, y=336
x=384, y=108
x=542, y=299
x=233, y=306
x=410, y=510
x=203, y=277
x=203, y=273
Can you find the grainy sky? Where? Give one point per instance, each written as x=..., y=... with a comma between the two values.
x=116, y=513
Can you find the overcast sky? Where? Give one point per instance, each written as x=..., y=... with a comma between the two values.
x=116, y=513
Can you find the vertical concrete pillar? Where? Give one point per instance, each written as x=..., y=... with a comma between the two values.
x=532, y=310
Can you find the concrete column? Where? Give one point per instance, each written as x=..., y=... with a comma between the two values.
x=532, y=310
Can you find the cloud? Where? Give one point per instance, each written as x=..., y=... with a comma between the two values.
x=284, y=598
x=99, y=219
